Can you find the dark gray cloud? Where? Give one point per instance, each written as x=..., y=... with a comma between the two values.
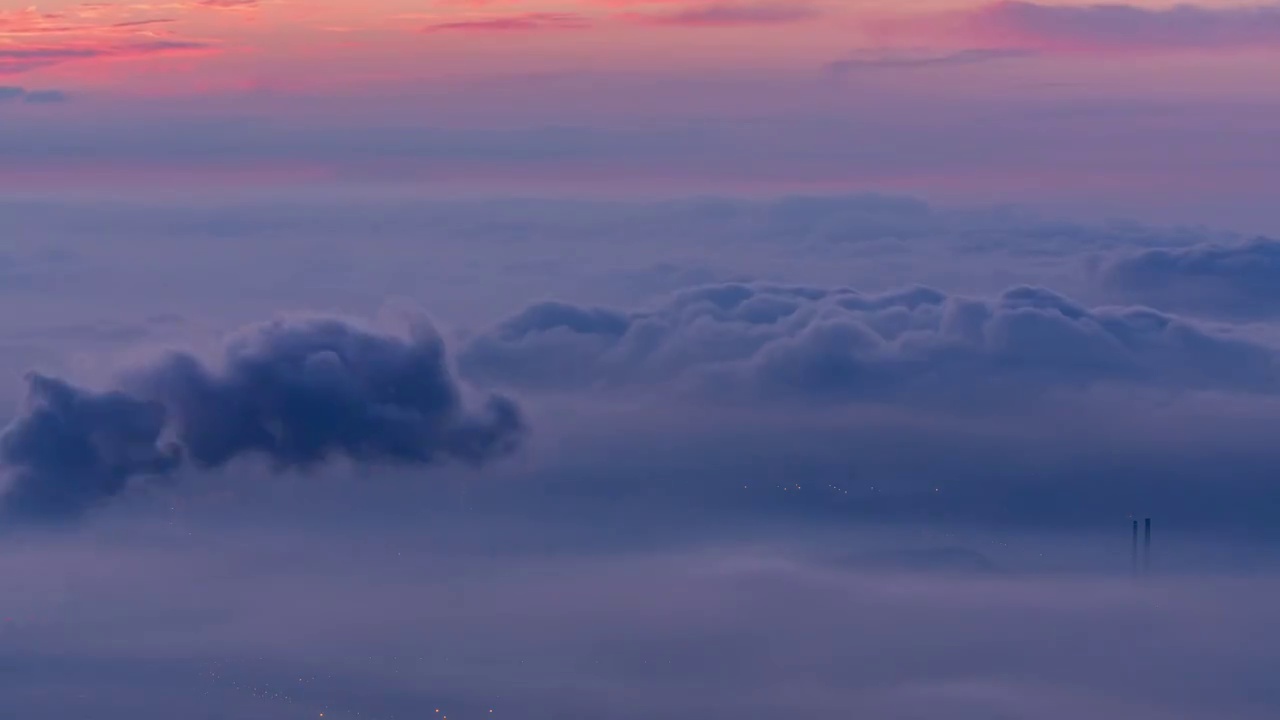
x=45, y=97
x=10, y=93
x=910, y=61
x=74, y=446
x=297, y=393
x=1241, y=279
x=838, y=344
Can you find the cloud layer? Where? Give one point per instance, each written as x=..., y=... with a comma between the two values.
x=728, y=14
x=1097, y=28
x=284, y=626
x=89, y=33
x=1240, y=280
x=296, y=393
x=32, y=97
x=1029, y=405
x=837, y=344
x=1121, y=27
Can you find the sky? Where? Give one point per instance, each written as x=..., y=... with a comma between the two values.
x=1145, y=108
x=638, y=358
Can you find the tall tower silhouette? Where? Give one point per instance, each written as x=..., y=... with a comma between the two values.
x=1146, y=547
x=1133, y=552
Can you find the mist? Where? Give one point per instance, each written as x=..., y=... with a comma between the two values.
x=469, y=613
x=705, y=458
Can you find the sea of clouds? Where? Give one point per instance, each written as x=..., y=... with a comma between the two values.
x=699, y=458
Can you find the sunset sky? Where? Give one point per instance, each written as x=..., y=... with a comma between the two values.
x=1151, y=108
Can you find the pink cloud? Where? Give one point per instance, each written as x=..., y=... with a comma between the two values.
x=89, y=32
x=16, y=60
x=1113, y=27
x=29, y=22
x=729, y=14
x=526, y=21
x=228, y=4
x=659, y=13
